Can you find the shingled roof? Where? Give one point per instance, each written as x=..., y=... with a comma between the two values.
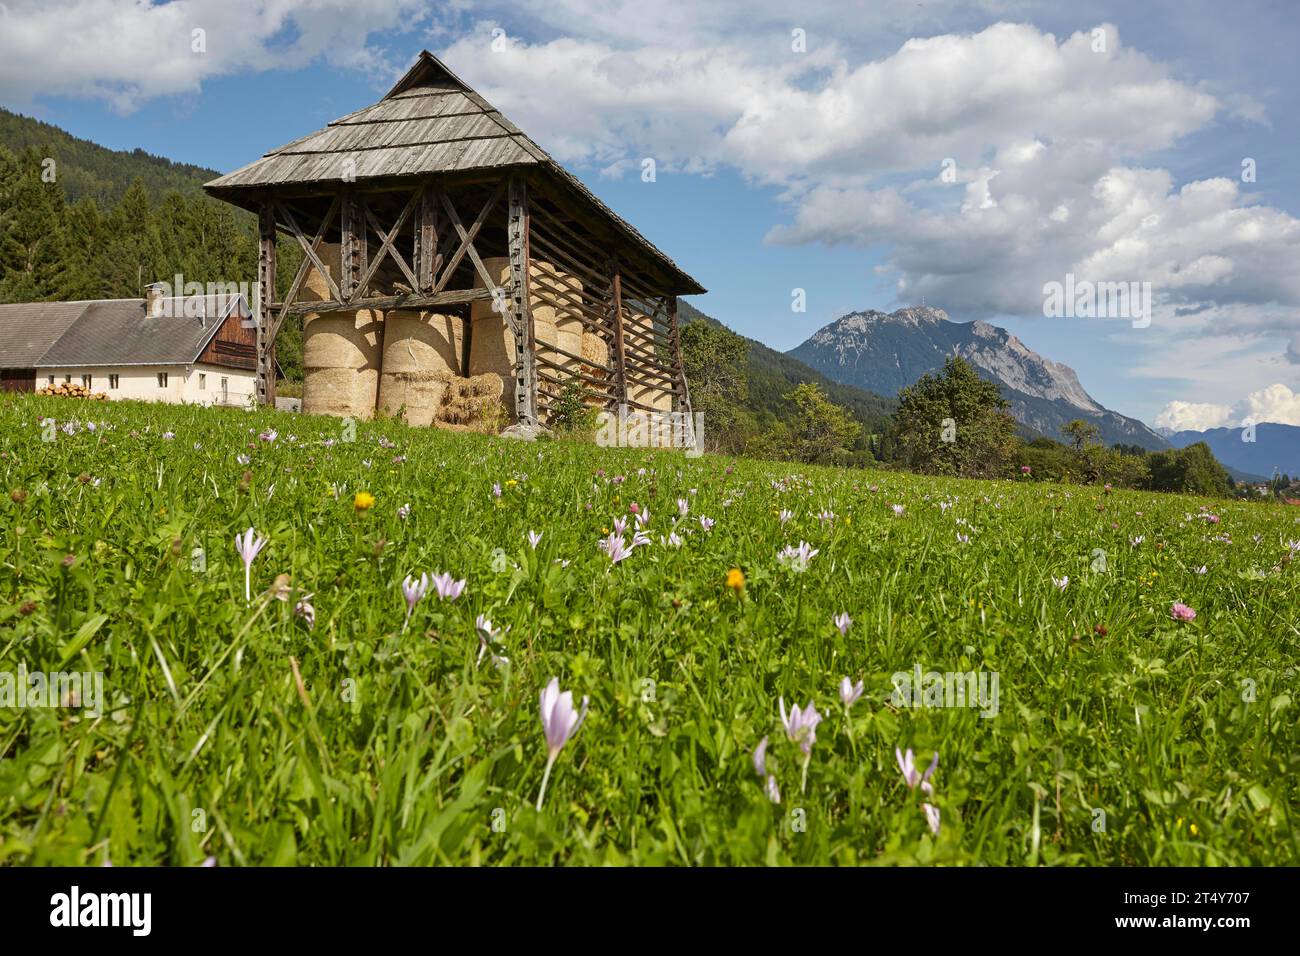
x=106, y=332
x=431, y=122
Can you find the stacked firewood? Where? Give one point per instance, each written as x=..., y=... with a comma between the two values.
x=72, y=390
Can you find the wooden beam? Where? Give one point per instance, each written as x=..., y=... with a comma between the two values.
x=521, y=313
x=620, y=355
x=355, y=246
x=674, y=330
x=407, y=301
x=306, y=263
x=427, y=259
x=467, y=237
x=309, y=249
x=266, y=264
x=387, y=248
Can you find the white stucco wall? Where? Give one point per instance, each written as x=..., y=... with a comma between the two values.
x=188, y=384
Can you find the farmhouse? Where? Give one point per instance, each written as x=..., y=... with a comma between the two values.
x=453, y=270
x=198, y=350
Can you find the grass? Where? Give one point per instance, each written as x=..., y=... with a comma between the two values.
x=235, y=731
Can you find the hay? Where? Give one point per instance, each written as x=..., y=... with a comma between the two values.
x=595, y=349
x=473, y=403
x=340, y=350
x=421, y=354
x=492, y=345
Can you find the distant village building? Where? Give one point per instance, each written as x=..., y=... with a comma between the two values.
x=199, y=350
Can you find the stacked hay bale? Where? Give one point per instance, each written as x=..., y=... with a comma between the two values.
x=556, y=322
x=421, y=356
x=341, y=351
x=595, y=349
x=473, y=404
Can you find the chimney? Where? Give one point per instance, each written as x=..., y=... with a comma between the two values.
x=155, y=297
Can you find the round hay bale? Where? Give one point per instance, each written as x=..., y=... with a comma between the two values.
x=340, y=350
x=421, y=354
x=492, y=344
x=341, y=360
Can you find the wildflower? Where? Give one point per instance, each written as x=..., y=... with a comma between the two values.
x=559, y=723
x=785, y=515
x=907, y=764
x=620, y=525
x=446, y=588
x=1181, y=612
x=706, y=523
x=682, y=507
x=304, y=609
x=248, y=547
x=797, y=559
x=167, y=436
x=963, y=538
x=736, y=580
x=1202, y=570
x=1026, y=470
x=826, y=517
x=760, y=758
x=931, y=817
x=773, y=791
x=842, y=621
x=533, y=538
x=615, y=547
x=898, y=510
x=1135, y=541
x=269, y=436
x=363, y=501
x=634, y=508
x=496, y=490
x=404, y=512
x=850, y=692
x=674, y=540
x=801, y=728
x=413, y=590
x=1061, y=583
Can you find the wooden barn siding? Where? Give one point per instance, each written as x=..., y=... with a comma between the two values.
x=233, y=346
x=18, y=380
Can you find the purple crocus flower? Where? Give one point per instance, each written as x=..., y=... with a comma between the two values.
x=534, y=537
x=897, y=509
x=706, y=523
x=801, y=728
x=248, y=546
x=615, y=547
x=446, y=587
x=682, y=507
x=760, y=758
x=785, y=515
x=907, y=764
x=559, y=723
x=850, y=692
x=413, y=590
x=797, y=559
x=842, y=621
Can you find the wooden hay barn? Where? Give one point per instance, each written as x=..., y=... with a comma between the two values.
x=432, y=206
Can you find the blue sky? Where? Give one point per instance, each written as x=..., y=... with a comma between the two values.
x=817, y=168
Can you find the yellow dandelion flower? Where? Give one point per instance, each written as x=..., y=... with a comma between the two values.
x=363, y=501
x=736, y=579
x=1194, y=830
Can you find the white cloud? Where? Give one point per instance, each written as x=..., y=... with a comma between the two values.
x=1275, y=403
x=126, y=53
x=1193, y=416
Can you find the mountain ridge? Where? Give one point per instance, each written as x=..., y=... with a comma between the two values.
x=886, y=352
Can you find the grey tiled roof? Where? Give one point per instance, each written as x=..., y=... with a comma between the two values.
x=430, y=122
x=105, y=332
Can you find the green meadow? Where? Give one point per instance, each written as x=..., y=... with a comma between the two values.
x=315, y=723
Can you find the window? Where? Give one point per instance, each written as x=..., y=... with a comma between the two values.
x=51, y=379
x=203, y=382
x=86, y=381
x=112, y=381
x=225, y=389
x=162, y=379
x=67, y=380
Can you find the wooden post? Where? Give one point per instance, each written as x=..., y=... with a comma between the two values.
x=352, y=249
x=426, y=240
x=620, y=354
x=265, y=296
x=679, y=366
x=521, y=313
